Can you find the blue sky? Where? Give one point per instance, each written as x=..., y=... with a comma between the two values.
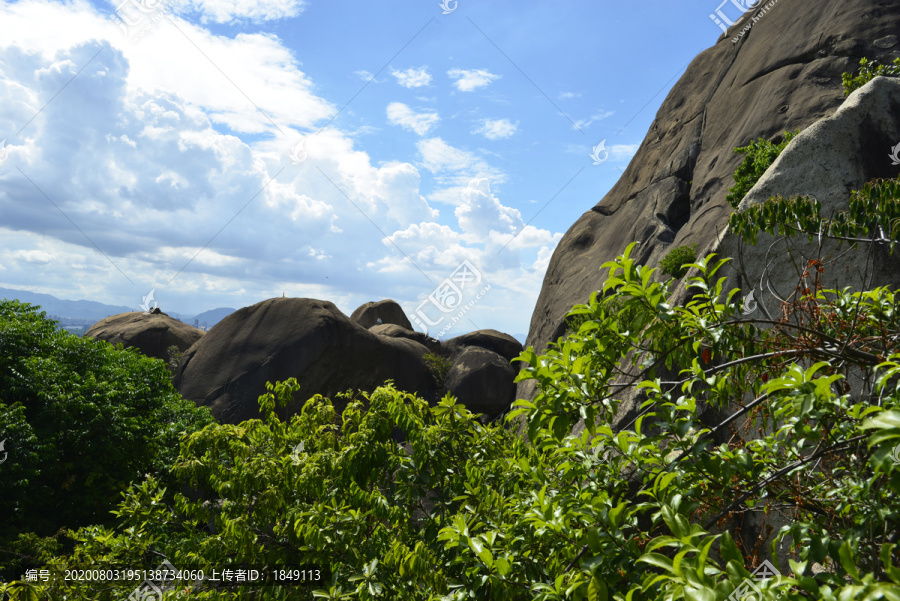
x=221, y=152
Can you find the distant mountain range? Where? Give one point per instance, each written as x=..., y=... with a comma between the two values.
x=94, y=311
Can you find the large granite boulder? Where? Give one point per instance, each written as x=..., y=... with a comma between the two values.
x=311, y=340
x=784, y=74
x=394, y=331
x=492, y=340
x=482, y=380
x=827, y=161
x=150, y=333
x=381, y=312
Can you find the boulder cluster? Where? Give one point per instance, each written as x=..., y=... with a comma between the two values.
x=227, y=368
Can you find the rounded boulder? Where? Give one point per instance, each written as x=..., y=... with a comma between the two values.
x=482, y=380
x=381, y=312
x=280, y=338
x=150, y=333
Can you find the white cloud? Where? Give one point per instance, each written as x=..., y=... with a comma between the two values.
x=412, y=77
x=157, y=158
x=227, y=11
x=364, y=75
x=585, y=123
x=569, y=95
x=468, y=80
x=497, y=129
x=421, y=123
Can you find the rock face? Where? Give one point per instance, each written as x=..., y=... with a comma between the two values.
x=827, y=161
x=482, y=380
x=784, y=74
x=394, y=331
x=150, y=333
x=311, y=340
x=387, y=311
x=492, y=340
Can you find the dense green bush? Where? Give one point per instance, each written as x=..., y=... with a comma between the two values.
x=81, y=420
x=463, y=510
x=868, y=72
x=677, y=260
x=439, y=366
x=760, y=155
x=739, y=419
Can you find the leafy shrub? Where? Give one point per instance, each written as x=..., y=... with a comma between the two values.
x=81, y=420
x=641, y=506
x=873, y=212
x=760, y=155
x=676, y=261
x=439, y=366
x=174, y=355
x=868, y=72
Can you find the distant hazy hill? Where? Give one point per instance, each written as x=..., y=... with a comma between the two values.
x=213, y=316
x=80, y=309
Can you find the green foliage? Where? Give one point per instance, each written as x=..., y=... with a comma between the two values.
x=81, y=420
x=676, y=262
x=173, y=354
x=873, y=216
x=760, y=155
x=868, y=72
x=439, y=366
x=735, y=424
x=463, y=510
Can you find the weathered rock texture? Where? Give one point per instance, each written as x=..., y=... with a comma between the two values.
x=388, y=311
x=492, y=340
x=482, y=380
x=394, y=331
x=827, y=161
x=150, y=333
x=308, y=339
x=783, y=75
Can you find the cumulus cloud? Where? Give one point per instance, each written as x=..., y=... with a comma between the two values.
x=161, y=165
x=420, y=123
x=227, y=11
x=413, y=77
x=497, y=129
x=468, y=80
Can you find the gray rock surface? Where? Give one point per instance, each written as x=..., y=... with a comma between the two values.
x=311, y=340
x=387, y=311
x=482, y=380
x=150, y=333
x=827, y=161
x=394, y=331
x=783, y=75
x=492, y=340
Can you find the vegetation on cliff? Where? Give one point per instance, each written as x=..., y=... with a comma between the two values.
x=744, y=421
x=80, y=420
